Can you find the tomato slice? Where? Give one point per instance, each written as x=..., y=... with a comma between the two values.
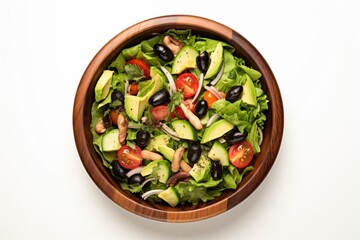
x=142, y=65
x=113, y=116
x=179, y=112
x=241, y=154
x=187, y=83
x=128, y=157
x=160, y=112
x=211, y=98
x=134, y=88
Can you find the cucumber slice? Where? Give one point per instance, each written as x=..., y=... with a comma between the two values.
x=184, y=130
x=219, y=153
x=110, y=141
x=162, y=168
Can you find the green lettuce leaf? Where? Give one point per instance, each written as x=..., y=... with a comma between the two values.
x=232, y=113
x=192, y=194
x=232, y=177
x=118, y=64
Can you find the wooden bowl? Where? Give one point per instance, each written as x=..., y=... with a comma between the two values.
x=84, y=98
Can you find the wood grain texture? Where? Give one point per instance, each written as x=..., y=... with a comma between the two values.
x=273, y=130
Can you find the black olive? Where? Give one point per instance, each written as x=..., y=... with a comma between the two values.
x=235, y=136
x=136, y=178
x=234, y=94
x=159, y=98
x=142, y=138
x=216, y=170
x=201, y=108
x=163, y=52
x=107, y=121
x=202, y=61
x=117, y=171
x=194, y=152
x=116, y=95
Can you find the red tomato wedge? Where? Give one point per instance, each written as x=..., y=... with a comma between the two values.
x=211, y=98
x=187, y=83
x=179, y=112
x=128, y=157
x=160, y=112
x=113, y=116
x=142, y=65
x=241, y=154
x=134, y=88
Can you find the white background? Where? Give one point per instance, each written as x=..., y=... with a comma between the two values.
x=313, y=189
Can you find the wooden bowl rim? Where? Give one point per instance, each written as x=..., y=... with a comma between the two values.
x=272, y=135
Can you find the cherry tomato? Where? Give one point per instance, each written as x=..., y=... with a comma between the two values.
x=241, y=154
x=160, y=112
x=187, y=83
x=142, y=65
x=113, y=116
x=134, y=88
x=211, y=98
x=179, y=112
x=128, y=157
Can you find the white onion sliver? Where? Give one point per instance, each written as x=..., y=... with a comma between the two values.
x=169, y=130
x=212, y=119
x=218, y=76
x=134, y=171
x=214, y=91
x=261, y=137
x=171, y=80
x=151, y=192
x=146, y=181
x=199, y=88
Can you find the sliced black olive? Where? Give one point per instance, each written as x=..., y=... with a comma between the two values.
x=136, y=178
x=117, y=171
x=201, y=108
x=142, y=138
x=194, y=152
x=163, y=52
x=235, y=136
x=116, y=95
x=203, y=61
x=107, y=121
x=159, y=98
x=216, y=170
x=234, y=94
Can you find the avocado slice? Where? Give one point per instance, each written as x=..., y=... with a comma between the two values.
x=184, y=129
x=219, y=153
x=201, y=169
x=102, y=86
x=135, y=105
x=216, y=59
x=186, y=58
x=170, y=195
x=167, y=152
x=216, y=130
x=249, y=92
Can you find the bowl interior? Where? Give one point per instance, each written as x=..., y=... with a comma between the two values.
x=85, y=97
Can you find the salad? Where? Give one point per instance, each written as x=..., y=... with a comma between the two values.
x=178, y=118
